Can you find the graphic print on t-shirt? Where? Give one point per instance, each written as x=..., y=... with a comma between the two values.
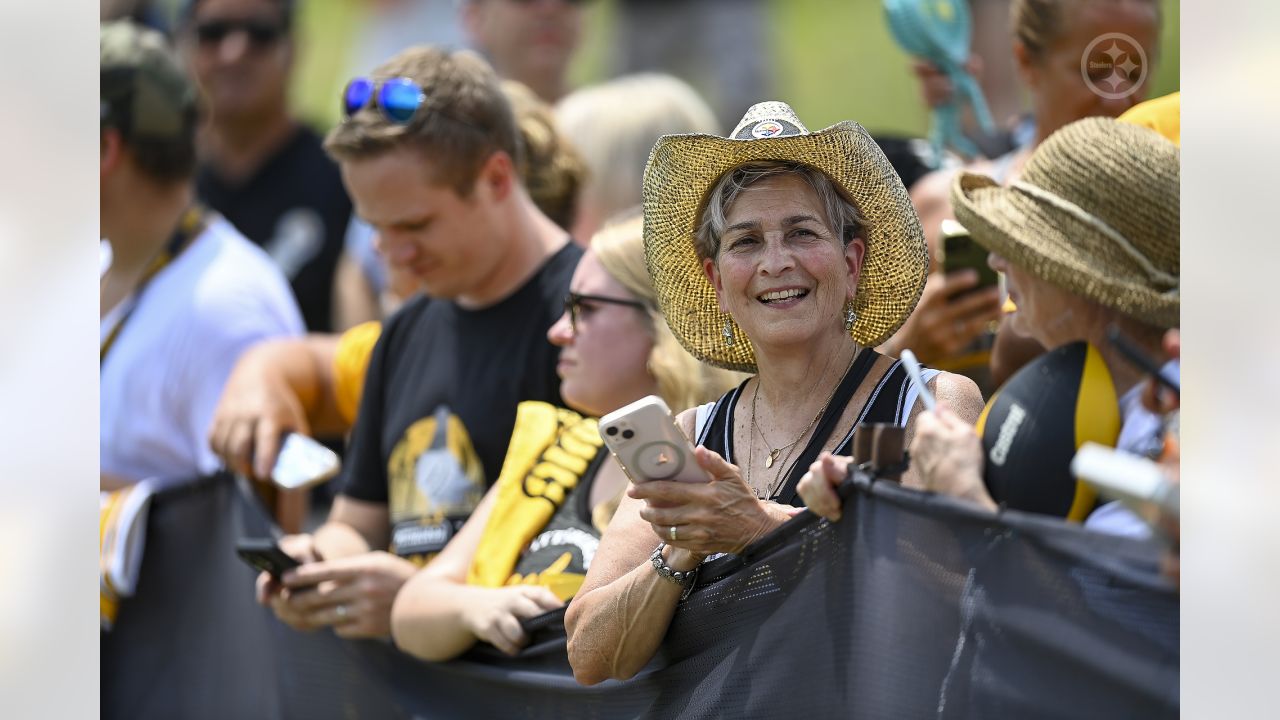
x=435, y=480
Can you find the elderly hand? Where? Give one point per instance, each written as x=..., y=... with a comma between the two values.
x=947, y=456
x=722, y=515
x=255, y=411
x=817, y=487
x=946, y=320
x=352, y=594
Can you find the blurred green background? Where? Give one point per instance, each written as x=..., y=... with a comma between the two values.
x=833, y=60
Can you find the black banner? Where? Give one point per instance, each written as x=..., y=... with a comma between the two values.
x=911, y=606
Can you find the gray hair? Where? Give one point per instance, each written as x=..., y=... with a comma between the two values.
x=842, y=216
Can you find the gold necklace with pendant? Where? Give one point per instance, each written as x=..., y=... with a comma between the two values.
x=772, y=457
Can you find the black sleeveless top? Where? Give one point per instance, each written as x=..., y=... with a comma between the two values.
x=887, y=404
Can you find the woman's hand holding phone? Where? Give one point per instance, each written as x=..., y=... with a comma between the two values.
x=643, y=437
x=703, y=518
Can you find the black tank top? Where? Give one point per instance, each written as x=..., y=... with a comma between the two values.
x=885, y=405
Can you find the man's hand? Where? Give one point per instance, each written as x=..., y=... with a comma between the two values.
x=495, y=616
x=352, y=594
x=947, y=319
x=299, y=547
x=257, y=408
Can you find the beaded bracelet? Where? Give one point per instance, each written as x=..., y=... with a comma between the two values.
x=683, y=578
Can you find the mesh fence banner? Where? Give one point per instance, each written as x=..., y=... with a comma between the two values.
x=910, y=606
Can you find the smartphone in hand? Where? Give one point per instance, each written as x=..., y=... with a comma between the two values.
x=263, y=554
x=303, y=463
x=960, y=252
x=644, y=438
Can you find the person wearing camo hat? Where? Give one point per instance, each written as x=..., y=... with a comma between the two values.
x=182, y=292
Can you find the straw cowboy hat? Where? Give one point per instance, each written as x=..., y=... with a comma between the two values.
x=1096, y=212
x=683, y=168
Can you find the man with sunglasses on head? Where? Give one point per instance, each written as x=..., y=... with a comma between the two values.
x=430, y=153
x=260, y=168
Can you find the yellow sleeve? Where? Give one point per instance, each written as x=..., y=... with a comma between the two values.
x=349, y=366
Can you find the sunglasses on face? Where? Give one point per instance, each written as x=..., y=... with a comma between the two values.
x=261, y=33
x=397, y=98
x=573, y=305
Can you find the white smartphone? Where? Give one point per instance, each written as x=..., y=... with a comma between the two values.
x=303, y=462
x=1122, y=476
x=644, y=438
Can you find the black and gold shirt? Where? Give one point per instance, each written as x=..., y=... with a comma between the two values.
x=439, y=404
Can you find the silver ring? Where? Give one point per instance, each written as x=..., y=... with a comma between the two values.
x=341, y=610
x=672, y=533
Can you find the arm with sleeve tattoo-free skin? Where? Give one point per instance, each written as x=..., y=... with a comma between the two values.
x=622, y=612
x=438, y=616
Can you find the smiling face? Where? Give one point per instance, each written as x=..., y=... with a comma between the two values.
x=781, y=271
x=453, y=246
x=604, y=360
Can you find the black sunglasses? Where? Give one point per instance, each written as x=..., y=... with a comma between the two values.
x=261, y=33
x=573, y=305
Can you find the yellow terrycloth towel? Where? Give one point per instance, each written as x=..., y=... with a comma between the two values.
x=122, y=526
x=551, y=448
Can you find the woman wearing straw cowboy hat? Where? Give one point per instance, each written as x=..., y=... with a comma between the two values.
x=784, y=253
x=1088, y=238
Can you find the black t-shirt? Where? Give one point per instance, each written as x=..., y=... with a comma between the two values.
x=440, y=399
x=295, y=208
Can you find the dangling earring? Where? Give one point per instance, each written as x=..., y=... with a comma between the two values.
x=729, y=339
x=849, y=316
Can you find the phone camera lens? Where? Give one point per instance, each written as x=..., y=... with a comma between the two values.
x=611, y=430
x=627, y=434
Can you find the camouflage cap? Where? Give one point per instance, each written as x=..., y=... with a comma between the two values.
x=144, y=92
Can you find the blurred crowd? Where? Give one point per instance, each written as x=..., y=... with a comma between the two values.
x=452, y=285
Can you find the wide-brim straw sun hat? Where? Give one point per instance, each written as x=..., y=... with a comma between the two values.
x=681, y=171
x=1096, y=212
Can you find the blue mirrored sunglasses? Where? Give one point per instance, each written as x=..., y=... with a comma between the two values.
x=397, y=98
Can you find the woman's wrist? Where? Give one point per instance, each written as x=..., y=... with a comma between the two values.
x=678, y=558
